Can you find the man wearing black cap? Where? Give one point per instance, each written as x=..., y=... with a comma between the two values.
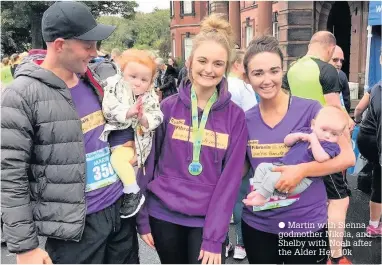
x=57, y=180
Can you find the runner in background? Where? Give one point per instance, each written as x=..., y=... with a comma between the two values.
x=369, y=144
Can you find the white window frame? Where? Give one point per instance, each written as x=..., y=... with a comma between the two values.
x=275, y=29
x=172, y=8
x=187, y=7
x=248, y=35
x=187, y=47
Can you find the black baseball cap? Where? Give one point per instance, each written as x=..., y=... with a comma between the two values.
x=72, y=20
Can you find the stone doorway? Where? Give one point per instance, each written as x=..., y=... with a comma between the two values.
x=339, y=23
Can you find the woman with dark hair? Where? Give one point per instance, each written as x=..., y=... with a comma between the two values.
x=165, y=81
x=173, y=64
x=288, y=229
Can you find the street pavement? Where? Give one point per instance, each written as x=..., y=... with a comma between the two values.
x=358, y=214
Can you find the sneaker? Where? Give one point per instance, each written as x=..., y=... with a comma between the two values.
x=342, y=260
x=131, y=204
x=239, y=253
x=228, y=249
x=374, y=232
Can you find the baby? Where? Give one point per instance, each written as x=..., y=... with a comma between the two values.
x=131, y=109
x=307, y=144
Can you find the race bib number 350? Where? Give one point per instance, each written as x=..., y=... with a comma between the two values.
x=99, y=172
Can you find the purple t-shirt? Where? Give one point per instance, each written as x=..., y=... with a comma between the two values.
x=103, y=187
x=307, y=211
x=300, y=152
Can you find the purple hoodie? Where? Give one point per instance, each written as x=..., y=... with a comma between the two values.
x=211, y=195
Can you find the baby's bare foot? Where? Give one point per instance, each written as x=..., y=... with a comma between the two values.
x=258, y=200
x=255, y=199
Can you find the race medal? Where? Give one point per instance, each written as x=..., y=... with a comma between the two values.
x=195, y=168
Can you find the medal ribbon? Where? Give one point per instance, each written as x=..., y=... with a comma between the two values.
x=198, y=129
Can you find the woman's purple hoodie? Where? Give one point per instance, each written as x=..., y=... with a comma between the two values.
x=213, y=193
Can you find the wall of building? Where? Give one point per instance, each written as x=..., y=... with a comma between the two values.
x=297, y=22
x=180, y=26
x=247, y=18
x=358, y=36
x=358, y=42
x=249, y=9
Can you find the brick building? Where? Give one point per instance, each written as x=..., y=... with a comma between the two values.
x=292, y=22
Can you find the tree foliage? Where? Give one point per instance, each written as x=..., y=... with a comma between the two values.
x=147, y=31
x=21, y=21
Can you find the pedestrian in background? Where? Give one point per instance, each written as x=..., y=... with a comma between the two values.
x=165, y=81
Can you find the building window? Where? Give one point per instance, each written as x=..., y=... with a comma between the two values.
x=187, y=8
x=248, y=35
x=173, y=48
x=275, y=30
x=187, y=47
x=275, y=25
x=172, y=10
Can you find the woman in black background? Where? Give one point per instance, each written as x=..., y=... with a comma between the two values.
x=369, y=144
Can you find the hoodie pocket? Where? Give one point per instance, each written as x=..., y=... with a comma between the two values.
x=183, y=196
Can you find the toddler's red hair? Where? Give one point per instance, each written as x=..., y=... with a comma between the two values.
x=138, y=56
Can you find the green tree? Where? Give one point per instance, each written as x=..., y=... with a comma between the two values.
x=120, y=37
x=152, y=27
x=21, y=20
x=149, y=31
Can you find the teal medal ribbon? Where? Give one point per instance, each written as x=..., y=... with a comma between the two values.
x=195, y=168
